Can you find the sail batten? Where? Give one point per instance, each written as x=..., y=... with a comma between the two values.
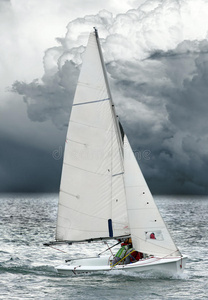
x=90, y=102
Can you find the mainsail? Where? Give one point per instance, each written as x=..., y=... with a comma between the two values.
x=92, y=201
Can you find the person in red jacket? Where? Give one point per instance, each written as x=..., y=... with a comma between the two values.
x=133, y=256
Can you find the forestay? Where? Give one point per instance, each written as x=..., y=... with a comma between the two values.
x=92, y=201
x=148, y=230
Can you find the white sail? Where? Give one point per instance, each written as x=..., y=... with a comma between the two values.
x=92, y=195
x=148, y=230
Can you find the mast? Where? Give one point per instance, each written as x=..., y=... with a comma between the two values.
x=117, y=129
x=109, y=91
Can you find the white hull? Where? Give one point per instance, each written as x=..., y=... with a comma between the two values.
x=167, y=265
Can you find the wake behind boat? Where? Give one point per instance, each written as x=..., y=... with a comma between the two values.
x=103, y=194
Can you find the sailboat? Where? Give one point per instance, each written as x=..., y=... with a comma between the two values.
x=103, y=194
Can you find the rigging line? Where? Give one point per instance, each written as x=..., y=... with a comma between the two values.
x=111, y=171
x=56, y=249
x=115, y=129
x=158, y=258
x=123, y=180
x=109, y=248
x=121, y=152
x=89, y=102
x=122, y=259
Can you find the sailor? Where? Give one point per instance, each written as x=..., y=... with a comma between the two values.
x=122, y=251
x=132, y=256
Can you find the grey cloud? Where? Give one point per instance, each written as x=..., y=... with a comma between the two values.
x=165, y=111
x=184, y=153
x=51, y=99
x=160, y=91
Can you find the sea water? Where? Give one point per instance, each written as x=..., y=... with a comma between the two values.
x=27, y=267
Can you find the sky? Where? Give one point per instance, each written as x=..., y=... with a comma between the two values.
x=156, y=54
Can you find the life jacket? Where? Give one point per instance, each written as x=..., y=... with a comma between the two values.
x=135, y=255
x=122, y=251
x=139, y=256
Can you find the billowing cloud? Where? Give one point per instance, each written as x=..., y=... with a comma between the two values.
x=52, y=98
x=156, y=57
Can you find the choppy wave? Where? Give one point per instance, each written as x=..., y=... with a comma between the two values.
x=28, y=269
x=44, y=270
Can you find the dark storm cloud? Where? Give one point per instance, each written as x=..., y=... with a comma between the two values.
x=167, y=117
x=159, y=84
x=52, y=98
x=177, y=134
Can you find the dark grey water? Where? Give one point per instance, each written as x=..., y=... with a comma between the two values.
x=27, y=267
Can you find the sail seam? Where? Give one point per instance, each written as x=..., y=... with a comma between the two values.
x=73, y=195
x=89, y=231
x=85, y=170
x=101, y=128
x=80, y=212
x=76, y=142
x=89, y=102
x=89, y=215
x=82, y=229
x=86, y=85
